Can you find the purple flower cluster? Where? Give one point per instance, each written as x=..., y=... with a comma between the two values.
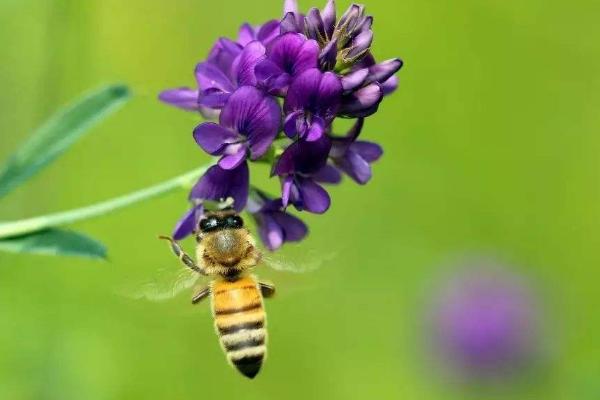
x=276, y=91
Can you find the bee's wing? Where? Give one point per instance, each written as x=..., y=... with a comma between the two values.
x=166, y=284
x=310, y=263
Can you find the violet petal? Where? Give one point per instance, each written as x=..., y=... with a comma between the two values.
x=218, y=184
x=363, y=102
x=254, y=114
x=271, y=233
x=355, y=167
x=294, y=229
x=328, y=174
x=245, y=64
x=188, y=223
x=209, y=76
x=315, y=199
x=213, y=137
x=369, y=151
x=184, y=98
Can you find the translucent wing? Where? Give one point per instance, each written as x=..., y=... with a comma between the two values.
x=166, y=284
x=308, y=263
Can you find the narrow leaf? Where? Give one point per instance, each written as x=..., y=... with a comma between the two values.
x=55, y=242
x=60, y=132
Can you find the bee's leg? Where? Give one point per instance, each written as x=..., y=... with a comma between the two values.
x=204, y=293
x=183, y=257
x=267, y=289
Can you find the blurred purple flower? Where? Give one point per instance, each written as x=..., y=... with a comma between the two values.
x=288, y=56
x=311, y=104
x=355, y=157
x=485, y=323
x=247, y=126
x=275, y=225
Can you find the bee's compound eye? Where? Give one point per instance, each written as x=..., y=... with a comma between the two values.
x=234, y=222
x=209, y=224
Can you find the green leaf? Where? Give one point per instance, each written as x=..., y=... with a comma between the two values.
x=55, y=242
x=60, y=132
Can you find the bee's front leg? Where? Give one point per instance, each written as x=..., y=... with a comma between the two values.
x=267, y=289
x=204, y=293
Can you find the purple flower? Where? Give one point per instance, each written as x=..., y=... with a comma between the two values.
x=355, y=157
x=485, y=323
x=263, y=33
x=229, y=67
x=188, y=222
x=219, y=184
x=311, y=104
x=343, y=43
x=247, y=126
x=302, y=167
x=276, y=226
x=322, y=68
x=288, y=56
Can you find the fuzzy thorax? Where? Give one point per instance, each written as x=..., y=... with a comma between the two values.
x=227, y=253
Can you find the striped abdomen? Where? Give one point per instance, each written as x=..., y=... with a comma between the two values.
x=240, y=321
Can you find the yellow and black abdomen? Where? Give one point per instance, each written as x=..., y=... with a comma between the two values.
x=240, y=321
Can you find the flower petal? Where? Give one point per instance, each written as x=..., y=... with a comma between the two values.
x=328, y=15
x=363, y=102
x=315, y=28
x=214, y=99
x=209, y=76
x=267, y=69
x=369, y=151
x=303, y=157
x=390, y=85
x=184, y=98
x=383, y=71
x=188, y=223
x=354, y=79
x=289, y=23
x=315, y=199
x=213, y=137
x=294, y=230
x=268, y=32
x=255, y=115
x=307, y=57
x=232, y=161
x=290, y=6
x=293, y=54
x=328, y=56
x=360, y=45
x=246, y=34
x=290, y=125
x=355, y=167
x=328, y=174
x=218, y=184
x=330, y=92
x=245, y=64
x=286, y=190
x=316, y=130
x=271, y=233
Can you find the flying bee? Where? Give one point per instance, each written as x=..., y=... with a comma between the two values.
x=226, y=253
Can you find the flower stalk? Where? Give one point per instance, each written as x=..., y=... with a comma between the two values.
x=36, y=224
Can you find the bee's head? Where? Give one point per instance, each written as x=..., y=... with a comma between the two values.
x=224, y=245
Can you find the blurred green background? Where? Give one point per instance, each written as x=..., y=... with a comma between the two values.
x=491, y=147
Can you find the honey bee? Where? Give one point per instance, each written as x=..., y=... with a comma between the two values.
x=226, y=253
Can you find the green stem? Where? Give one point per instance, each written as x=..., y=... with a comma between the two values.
x=26, y=226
